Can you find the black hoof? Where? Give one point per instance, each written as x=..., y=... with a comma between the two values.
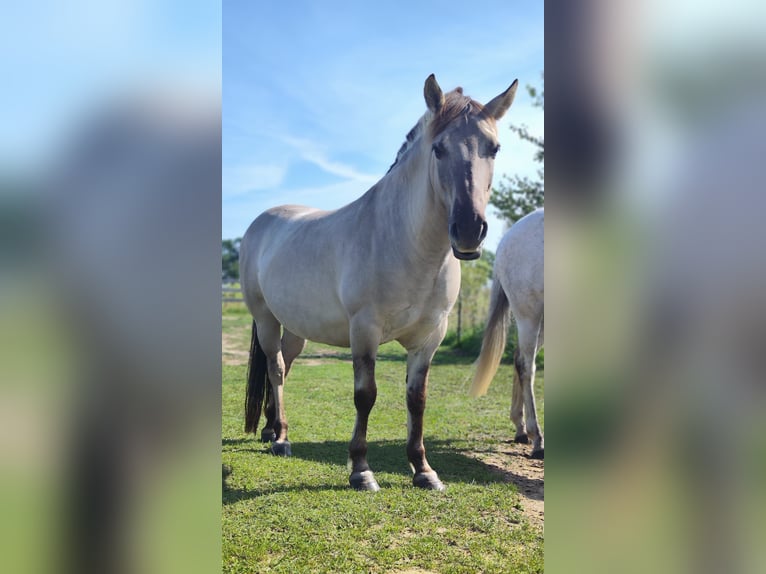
x=281, y=448
x=521, y=439
x=427, y=480
x=268, y=435
x=538, y=454
x=364, y=480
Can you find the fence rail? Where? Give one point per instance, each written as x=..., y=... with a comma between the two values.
x=230, y=292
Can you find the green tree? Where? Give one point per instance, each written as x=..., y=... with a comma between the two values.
x=230, y=259
x=515, y=196
x=471, y=307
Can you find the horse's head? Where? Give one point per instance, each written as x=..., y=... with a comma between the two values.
x=464, y=145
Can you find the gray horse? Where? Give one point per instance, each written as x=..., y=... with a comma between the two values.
x=518, y=288
x=385, y=267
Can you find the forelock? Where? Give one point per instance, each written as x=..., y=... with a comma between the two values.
x=456, y=105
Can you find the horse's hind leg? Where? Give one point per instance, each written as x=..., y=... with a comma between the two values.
x=267, y=432
x=517, y=404
x=292, y=346
x=269, y=335
x=524, y=364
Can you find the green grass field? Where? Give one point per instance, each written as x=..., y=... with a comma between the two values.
x=299, y=515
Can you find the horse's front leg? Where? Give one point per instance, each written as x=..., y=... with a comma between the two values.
x=364, y=348
x=418, y=365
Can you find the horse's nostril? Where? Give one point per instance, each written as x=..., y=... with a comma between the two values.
x=483, y=233
x=453, y=230
x=468, y=234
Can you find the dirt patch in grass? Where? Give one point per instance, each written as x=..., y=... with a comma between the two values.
x=233, y=351
x=512, y=462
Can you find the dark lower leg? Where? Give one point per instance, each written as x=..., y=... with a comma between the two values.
x=416, y=405
x=365, y=393
x=424, y=477
x=267, y=434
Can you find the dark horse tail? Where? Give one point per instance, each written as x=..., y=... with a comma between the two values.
x=257, y=388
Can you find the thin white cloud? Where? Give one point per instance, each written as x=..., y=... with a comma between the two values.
x=242, y=179
x=311, y=152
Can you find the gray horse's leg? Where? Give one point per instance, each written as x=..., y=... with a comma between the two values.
x=517, y=405
x=418, y=365
x=269, y=336
x=524, y=363
x=267, y=432
x=364, y=348
x=292, y=346
x=517, y=402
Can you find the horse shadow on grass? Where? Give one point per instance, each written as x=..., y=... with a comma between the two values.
x=454, y=465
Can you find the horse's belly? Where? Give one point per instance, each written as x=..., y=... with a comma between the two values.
x=329, y=333
x=309, y=315
x=415, y=332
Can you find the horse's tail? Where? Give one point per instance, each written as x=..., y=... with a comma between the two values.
x=257, y=388
x=493, y=343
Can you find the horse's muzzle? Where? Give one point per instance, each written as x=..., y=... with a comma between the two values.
x=466, y=240
x=466, y=256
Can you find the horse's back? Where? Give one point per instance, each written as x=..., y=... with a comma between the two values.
x=519, y=264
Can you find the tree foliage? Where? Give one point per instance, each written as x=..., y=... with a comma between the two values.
x=230, y=259
x=470, y=310
x=515, y=196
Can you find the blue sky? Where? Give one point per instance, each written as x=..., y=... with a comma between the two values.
x=318, y=97
x=67, y=58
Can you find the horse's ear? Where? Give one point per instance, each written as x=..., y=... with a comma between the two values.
x=433, y=94
x=500, y=104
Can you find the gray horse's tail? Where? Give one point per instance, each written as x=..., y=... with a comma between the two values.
x=493, y=343
x=258, y=390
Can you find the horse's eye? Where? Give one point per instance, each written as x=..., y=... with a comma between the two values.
x=439, y=150
x=494, y=150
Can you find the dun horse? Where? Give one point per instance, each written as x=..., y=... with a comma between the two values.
x=518, y=288
x=385, y=267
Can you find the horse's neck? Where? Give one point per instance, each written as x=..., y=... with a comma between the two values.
x=419, y=215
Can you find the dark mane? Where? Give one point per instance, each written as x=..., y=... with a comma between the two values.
x=412, y=135
x=455, y=105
